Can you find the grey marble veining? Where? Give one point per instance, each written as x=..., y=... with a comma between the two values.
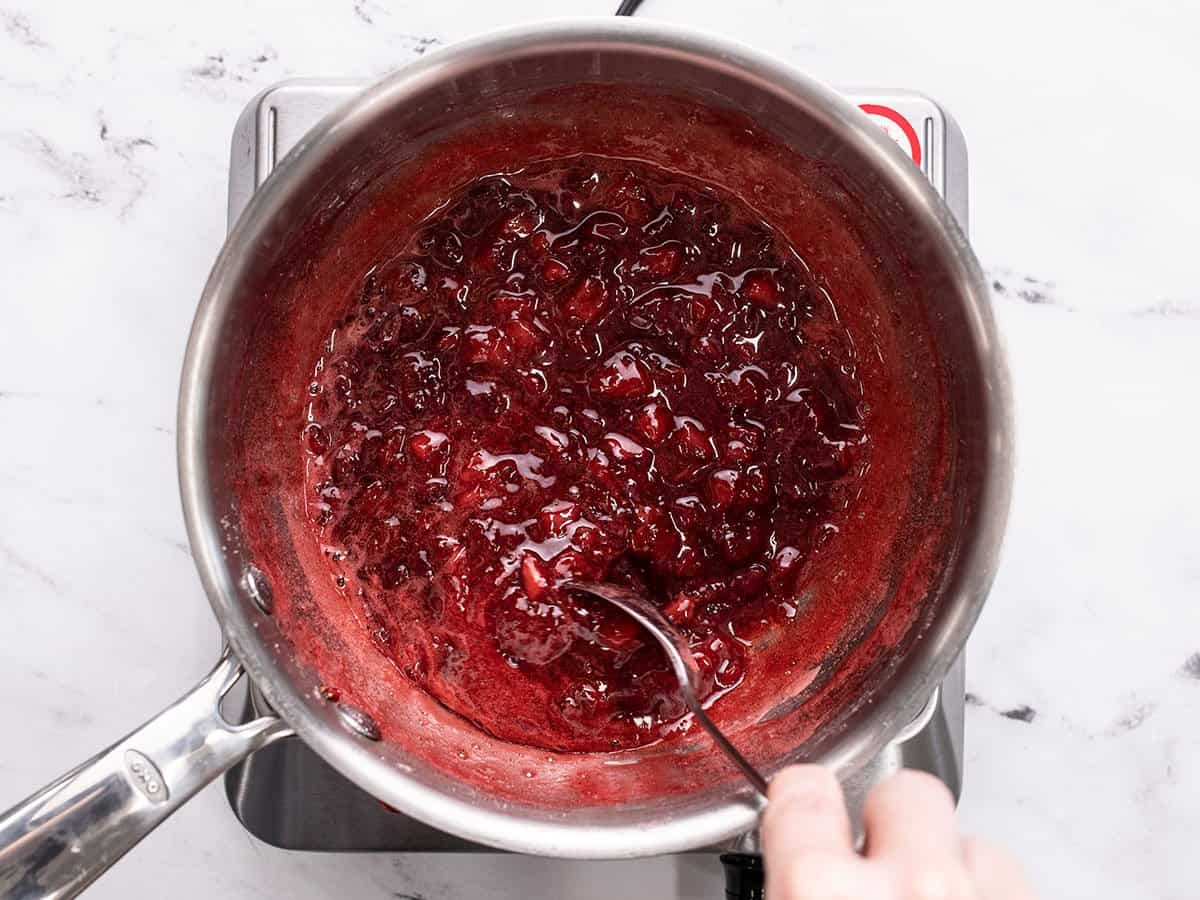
x=1083, y=742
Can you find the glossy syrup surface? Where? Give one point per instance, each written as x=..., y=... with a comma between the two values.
x=588, y=369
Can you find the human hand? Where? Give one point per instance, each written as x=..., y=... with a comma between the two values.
x=913, y=850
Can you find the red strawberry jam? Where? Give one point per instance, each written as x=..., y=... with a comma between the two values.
x=587, y=369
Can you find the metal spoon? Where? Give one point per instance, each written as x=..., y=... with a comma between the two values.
x=683, y=664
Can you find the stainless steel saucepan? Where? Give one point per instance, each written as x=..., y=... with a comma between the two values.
x=60, y=839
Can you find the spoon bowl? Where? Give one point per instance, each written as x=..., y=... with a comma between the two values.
x=679, y=655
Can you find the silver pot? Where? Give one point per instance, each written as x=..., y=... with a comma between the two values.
x=60, y=839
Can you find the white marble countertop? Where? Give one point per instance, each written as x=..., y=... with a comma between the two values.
x=1083, y=739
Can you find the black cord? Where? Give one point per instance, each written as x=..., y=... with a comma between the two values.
x=744, y=876
x=628, y=7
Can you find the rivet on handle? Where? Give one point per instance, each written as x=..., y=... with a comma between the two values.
x=259, y=589
x=358, y=722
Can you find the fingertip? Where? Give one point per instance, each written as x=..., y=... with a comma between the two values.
x=975, y=850
x=909, y=819
x=906, y=786
x=805, y=781
x=821, y=876
x=996, y=870
x=806, y=811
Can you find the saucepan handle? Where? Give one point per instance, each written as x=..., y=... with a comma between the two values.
x=57, y=842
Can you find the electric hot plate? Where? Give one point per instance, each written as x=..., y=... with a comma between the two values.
x=288, y=796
